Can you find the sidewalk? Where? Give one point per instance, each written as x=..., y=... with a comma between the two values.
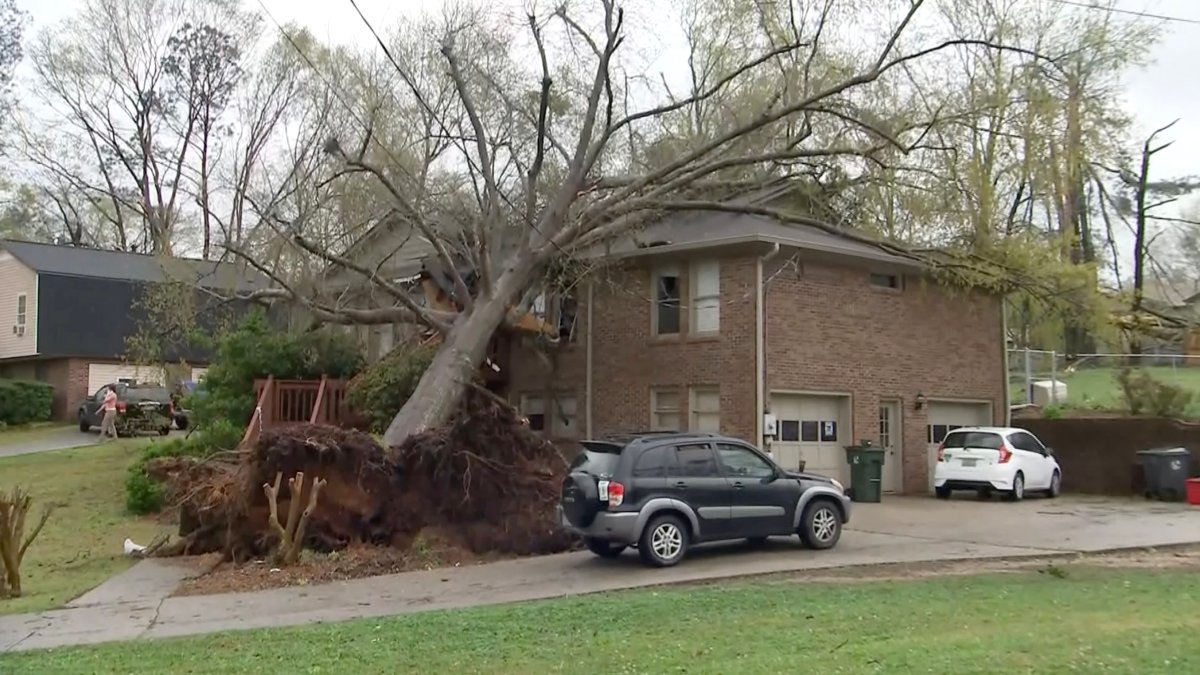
x=135, y=605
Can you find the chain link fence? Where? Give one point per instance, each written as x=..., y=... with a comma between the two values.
x=1048, y=378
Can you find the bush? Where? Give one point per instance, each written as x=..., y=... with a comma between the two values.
x=1143, y=394
x=381, y=390
x=25, y=401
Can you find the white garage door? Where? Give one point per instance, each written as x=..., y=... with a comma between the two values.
x=813, y=429
x=198, y=373
x=946, y=416
x=100, y=374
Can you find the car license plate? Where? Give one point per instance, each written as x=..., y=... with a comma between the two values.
x=968, y=462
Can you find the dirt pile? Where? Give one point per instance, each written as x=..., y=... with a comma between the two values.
x=485, y=480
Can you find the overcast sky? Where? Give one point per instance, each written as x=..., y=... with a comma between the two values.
x=1158, y=94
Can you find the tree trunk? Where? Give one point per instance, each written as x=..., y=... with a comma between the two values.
x=458, y=359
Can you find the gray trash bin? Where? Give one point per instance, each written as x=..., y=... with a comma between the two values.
x=1166, y=471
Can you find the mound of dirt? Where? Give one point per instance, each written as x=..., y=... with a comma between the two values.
x=485, y=480
x=487, y=477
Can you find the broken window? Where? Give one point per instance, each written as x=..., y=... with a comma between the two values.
x=666, y=302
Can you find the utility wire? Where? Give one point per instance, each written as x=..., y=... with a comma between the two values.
x=1128, y=12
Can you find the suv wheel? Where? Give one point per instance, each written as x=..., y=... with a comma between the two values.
x=664, y=542
x=83, y=424
x=603, y=548
x=821, y=526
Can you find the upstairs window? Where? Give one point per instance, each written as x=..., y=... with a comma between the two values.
x=706, y=297
x=666, y=301
x=886, y=281
x=22, y=306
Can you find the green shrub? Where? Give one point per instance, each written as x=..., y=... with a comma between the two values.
x=1052, y=412
x=1143, y=394
x=381, y=390
x=25, y=401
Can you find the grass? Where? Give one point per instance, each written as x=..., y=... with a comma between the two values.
x=30, y=432
x=80, y=546
x=1085, y=621
x=1097, y=388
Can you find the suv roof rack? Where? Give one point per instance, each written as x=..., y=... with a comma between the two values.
x=635, y=436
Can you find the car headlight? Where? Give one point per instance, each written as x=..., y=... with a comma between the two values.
x=837, y=484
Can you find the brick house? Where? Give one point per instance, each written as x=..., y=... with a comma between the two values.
x=727, y=317
x=67, y=311
x=710, y=322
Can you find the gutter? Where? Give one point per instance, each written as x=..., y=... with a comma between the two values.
x=587, y=369
x=760, y=347
x=1007, y=402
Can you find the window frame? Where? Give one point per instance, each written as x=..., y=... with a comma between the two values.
x=656, y=409
x=727, y=470
x=658, y=304
x=679, y=465
x=894, y=282
x=22, y=309
x=708, y=301
x=547, y=409
x=694, y=413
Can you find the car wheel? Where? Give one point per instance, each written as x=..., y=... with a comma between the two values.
x=1017, y=493
x=604, y=548
x=821, y=526
x=164, y=431
x=1055, y=485
x=664, y=542
x=83, y=424
x=942, y=492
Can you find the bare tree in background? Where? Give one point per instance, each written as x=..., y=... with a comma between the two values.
x=536, y=168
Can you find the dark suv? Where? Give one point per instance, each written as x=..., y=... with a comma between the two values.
x=662, y=492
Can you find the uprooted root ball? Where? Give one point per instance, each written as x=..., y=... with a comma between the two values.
x=486, y=478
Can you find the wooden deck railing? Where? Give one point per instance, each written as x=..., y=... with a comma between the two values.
x=290, y=401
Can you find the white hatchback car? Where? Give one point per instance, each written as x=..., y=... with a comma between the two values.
x=995, y=459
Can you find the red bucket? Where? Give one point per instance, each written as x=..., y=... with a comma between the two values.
x=1193, y=491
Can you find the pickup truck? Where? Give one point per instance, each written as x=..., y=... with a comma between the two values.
x=140, y=407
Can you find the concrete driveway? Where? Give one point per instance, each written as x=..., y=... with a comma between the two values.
x=53, y=439
x=135, y=605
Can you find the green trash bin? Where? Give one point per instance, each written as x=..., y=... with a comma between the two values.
x=866, y=472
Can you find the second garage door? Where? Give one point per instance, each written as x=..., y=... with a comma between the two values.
x=812, y=428
x=946, y=416
x=100, y=374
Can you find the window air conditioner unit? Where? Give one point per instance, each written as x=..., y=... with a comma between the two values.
x=20, y=331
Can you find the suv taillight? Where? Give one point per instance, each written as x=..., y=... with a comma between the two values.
x=120, y=406
x=612, y=492
x=1005, y=453
x=942, y=452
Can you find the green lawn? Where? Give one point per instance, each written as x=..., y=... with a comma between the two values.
x=30, y=432
x=80, y=546
x=1090, y=621
x=1097, y=388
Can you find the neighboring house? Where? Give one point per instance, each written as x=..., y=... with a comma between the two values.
x=718, y=319
x=68, y=311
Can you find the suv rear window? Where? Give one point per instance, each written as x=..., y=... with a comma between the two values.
x=597, y=458
x=973, y=439
x=145, y=393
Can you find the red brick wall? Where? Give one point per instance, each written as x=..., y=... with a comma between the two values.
x=829, y=330
x=627, y=362
x=69, y=377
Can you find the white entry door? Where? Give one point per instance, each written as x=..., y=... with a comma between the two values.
x=891, y=439
x=812, y=429
x=946, y=416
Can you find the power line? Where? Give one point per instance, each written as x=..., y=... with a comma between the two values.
x=1129, y=12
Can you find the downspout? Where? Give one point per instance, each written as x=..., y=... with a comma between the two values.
x=760, y=347
x=1007, y=402
x=587, y=368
